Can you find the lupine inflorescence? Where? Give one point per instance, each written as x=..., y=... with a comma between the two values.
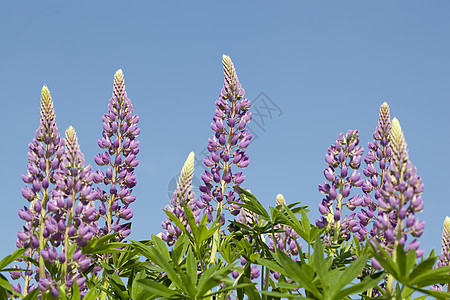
x=183, y=196
x=45, y=154
x=342, y=157
x=61, y=210
x=227, y=146
x=62, y=222
x=119, y=140
x=401, y=197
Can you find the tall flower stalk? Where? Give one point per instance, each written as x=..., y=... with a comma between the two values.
x=380, y=153
x=45, y=154
x=74, y=216
x=344, y=155
x=227, y=146
x=119, y=140
x=401, y=197
x=183, y=196
x=444, y=256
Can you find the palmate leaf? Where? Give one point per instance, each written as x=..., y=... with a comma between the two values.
x=11, y=258
x=291, y=269
x=138, y=292
x=416, y=276
x=252, y=204
x=158, y=289
x=115, y=282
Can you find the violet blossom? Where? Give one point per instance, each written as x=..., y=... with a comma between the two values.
x=343, y=156
x=183, y=196
x=45, y=154
x=401, y=198
x=73, y=215
x=444, y=256
x=227, y=146
x=119, y=140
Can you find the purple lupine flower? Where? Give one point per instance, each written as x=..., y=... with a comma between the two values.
x=73, y=215
x=343, y=155
x=444, y=257
x=401, y=198
x=182, y=196
x=380, y=153
x=45, y=154
x=119, y=140
x=286, y=237
x=227, y=146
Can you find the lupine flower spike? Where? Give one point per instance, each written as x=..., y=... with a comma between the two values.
x=401, y=198
x=284, y=240
x=119, y=140
x=379, y=151
x=227, y=146
x=74, y=216
x=45, y=154
x=182, y=196
x=444, y=257
x=343, y=155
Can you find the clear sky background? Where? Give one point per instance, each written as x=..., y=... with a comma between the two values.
x=323, y=66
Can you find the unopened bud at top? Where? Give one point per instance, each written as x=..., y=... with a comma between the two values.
x=280, y=200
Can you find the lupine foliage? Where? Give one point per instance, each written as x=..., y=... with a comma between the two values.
x=225, y=244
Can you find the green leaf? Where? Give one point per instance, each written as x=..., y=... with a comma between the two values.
x=287, y=267
x=385, y=259
x=32, y=295
x=305, y=223
x=115, y=282
x=321, y=266
x=91, y=295
x=12, y=257
x=180, y=248
x=349, y=274
x=191, y=270
x=162, y=259
x=362, y=286
x=138, y=292
x=143, y=249
x=75, y=291
x=4, y=283
x=421, y=269
x=157, y=288
x=252, y=204
x=436, y=294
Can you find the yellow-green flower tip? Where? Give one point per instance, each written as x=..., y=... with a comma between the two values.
x=280, y=200
x=446, y=232
x=188, y=167
x=119, y=75
x=226, y=59
x=45, y=93
x=70, y=132
x=398, y=143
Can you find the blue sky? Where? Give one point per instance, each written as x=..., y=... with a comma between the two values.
x=325, y=67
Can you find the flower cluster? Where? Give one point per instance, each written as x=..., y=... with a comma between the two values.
x=345, y=153
x=285, y=238
x=119, y=140
x=45, y=154
x=444, y=257
x=73, y=214
x=183, y=196
x=400, y=197
x=227, y=146
x=61, y=212
x=379, y=152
